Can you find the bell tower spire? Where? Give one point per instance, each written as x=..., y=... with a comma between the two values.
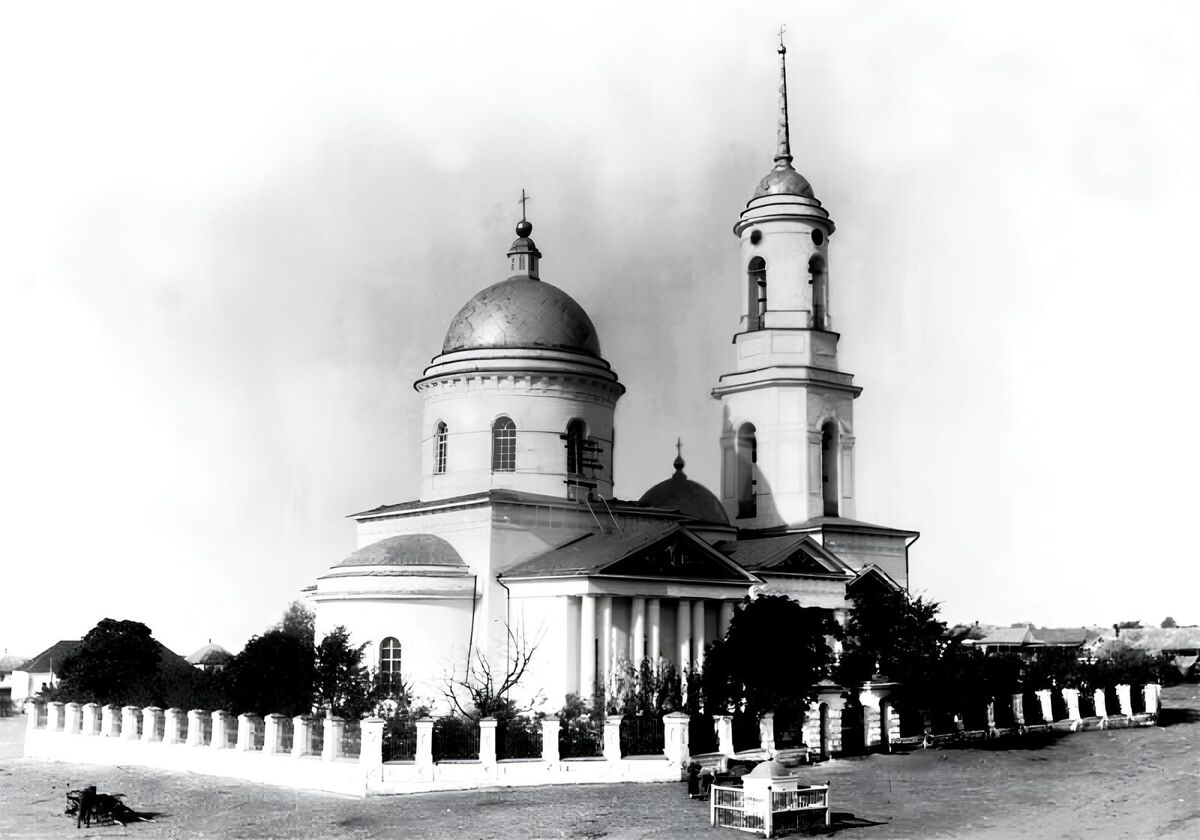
x=788, y=441
x=784, y=153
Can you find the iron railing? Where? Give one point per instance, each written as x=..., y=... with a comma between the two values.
x=519, y=738
x=642, y=736
x=399, y=740
x=581, y=738
x=286, y=733
x=351, y=739
x=316, y=735
x=455, y=739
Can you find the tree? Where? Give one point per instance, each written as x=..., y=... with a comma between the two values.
x=645, y=690
x=299, y=621
x=116, y=663
x=1168, y=623
x=893, y=633
x=482, y=691
x=273, y=673
x=343, y=684
x=772, y=656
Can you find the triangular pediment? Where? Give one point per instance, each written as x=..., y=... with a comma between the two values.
x=677, y=555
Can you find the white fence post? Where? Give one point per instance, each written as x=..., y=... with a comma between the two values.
x=220, y=730
x=1018, y=709
x=1124, y=702
x=1071, y=698
x=247, y=724
x=173, y=731
x=195, y=727
x=424, y=757
x=675, y=739
x=370, y=751
x=550, y=729
x=33, y=711
x=91, y=721
x=334, y=729
x=110, y=717
x=724, y=727
x=1150, y=694
x=1043, y=697
x=150, y=718
x=612, y=737
x=301, y=735
x=54, y=716
x=271, y=732
x=487, y=742
x=766, y=733
x=1101, y=703
x=130, y=715
x=72, y=718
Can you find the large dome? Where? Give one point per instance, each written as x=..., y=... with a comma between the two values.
x=406, y=550
x=686, y=496
x=522, y=312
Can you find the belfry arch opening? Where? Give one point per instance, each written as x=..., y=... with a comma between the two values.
x=820, y=292
x=747, y=459
x=829, y=466
x=756, y=277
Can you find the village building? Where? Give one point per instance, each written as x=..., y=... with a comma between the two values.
x=518, y=538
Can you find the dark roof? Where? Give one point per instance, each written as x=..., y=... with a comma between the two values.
x=1007, y=636
x=873, y=572
x=210, y=654
x=518, y=497
x=406, y=550
x=55, y=654
x=58, y=651
x=632, y=553
x=686, y=496
x=1067, y=636
x=787, y=553
x=834, y=523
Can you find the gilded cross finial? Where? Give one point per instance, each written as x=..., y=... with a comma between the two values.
x=678, y=456
x=524, y=198
x=782, y=48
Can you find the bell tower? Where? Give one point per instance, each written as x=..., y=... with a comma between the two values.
x=787, y=446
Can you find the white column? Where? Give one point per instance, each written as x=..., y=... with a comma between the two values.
x=637, y=631
x=698, y=640
x=606, y=642
x=683, y=634
x=587, y=647
x=724, y=618
x=654, y=622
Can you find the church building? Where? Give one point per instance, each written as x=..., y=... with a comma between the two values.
x=517, y=538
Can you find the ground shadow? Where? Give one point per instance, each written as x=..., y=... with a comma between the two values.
x=841, y=820
x=1173, y=717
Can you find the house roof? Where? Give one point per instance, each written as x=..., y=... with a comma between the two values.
x=52, y=656
x=1162, y=638
x=658, y=550
x=9, y=663
x=840, y=523
x=873, y=572
x=1064, y=636
x=1007, y=636
x=210, y=654
x=786, y=554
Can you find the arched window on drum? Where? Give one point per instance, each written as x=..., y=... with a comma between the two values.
x=389, y=663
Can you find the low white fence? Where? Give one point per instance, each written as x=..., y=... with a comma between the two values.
x=281, y=751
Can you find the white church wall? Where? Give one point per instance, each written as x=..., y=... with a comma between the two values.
x=554, y=670
x=540, y=412
x=434, y=635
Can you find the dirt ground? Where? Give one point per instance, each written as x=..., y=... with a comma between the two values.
x=1126, y=783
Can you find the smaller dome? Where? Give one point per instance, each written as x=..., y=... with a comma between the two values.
x=784, y=180
x=406, y=550
x=210, y=654
x=686, y=496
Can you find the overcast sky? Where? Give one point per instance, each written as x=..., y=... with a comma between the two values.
x=233, y=236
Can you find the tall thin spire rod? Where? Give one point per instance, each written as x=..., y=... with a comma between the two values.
x=784, y=153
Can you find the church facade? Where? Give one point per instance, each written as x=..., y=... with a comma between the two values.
x=517, y=539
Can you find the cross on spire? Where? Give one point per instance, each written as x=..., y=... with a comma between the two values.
x=524, y=198
x=782, y=48
x=784, y=152
x=679, y=456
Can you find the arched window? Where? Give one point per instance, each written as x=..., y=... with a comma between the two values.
x=757, y=276
x=747, y=458
x=504, y=445
x=576, y=433
x=820, y=293
x=439, y=448
x=829, y=465
x=389, y=663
